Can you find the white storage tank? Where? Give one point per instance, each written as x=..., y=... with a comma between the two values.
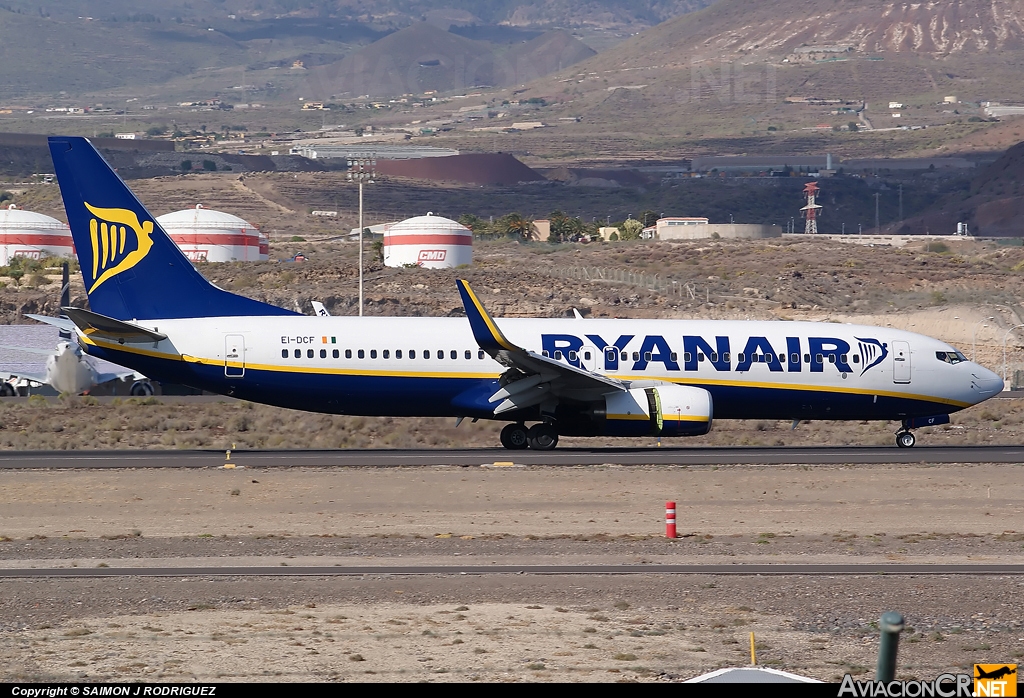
x=27, y=234
x=205, y=235
x=429, y=241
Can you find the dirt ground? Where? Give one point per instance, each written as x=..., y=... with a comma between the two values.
x=648, y=627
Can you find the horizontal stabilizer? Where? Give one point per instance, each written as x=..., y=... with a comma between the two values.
x=96, y=325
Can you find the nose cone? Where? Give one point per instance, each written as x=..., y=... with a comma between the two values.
x=985, y=383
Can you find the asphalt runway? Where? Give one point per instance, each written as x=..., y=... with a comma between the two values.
x=449, y=570
x=498, y=457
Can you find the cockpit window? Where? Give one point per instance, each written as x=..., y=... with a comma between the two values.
x=950, y=357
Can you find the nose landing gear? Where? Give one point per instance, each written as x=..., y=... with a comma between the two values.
x=905, y=439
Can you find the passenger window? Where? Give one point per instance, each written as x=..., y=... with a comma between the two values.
x=714, y=356
x=454, y=354
x=624, y=356
x=361, y=354
x=558, y=355
x=856, y=358
x=636, y=356
x=725, y=357
x=647, y=356
x=739, y=357
x=386, y=354
x=572, y=356
x=782, y=358
x=480, y=354
x=700, y=356
x=426, y=354
x=686, y=356
x=831, y=358
x=348, y=353
x=609, y=355
x=335, y=353
x=398, y=353
x=309, y=353
x=586, y=356
x=818, y=358
x=545, y=353
x=298, y=353
x=284, y=353
x=674, y=356
x=412, y=353
x=469, y=354
x=323, y=353
x=842, y=358
x=373, y=353
x=440, y=354
x=794, y=358
x=807, y=358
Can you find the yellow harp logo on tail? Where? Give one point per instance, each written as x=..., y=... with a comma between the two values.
x=111, y=232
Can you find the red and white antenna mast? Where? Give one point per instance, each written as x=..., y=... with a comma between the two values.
x=811, y=209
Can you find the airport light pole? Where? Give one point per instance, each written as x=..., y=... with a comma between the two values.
x=361, y=170
x=974, y=336
x=1005, y=337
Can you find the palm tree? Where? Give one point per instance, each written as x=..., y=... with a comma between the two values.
x=517, y=226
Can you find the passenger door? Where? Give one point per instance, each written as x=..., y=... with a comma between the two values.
x=234, y=355
x=900, y=362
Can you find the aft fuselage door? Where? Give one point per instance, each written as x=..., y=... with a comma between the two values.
x=234, y=355
x=900, y=362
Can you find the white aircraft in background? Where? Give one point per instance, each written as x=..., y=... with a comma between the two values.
x=153, y=311
x=68, y=369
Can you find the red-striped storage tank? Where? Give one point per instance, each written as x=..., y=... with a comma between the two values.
x=27, y=234
x=429, y=241
x=205, y=235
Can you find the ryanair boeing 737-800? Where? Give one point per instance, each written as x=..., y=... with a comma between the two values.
x=152, y=311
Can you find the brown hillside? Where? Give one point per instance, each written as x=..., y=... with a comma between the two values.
x=994, y=206
x=423, y=57
x=471, y=168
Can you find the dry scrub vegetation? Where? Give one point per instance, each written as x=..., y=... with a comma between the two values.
x=81, y=423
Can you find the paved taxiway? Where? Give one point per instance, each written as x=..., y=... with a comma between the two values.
x=495, y=456
x=733, y=569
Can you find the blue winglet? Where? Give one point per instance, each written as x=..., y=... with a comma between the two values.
x=485, y=332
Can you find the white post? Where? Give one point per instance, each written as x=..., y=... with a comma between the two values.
x=1005, y=337
x=360, y=248
x=974, y=338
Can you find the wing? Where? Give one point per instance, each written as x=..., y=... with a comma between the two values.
x=62, y=322
x=543, y=376
x=25, y=375
x=30, y=350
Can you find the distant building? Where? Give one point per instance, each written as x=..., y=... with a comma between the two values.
x=676, y=228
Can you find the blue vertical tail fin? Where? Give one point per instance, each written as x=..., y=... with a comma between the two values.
x=131, y=267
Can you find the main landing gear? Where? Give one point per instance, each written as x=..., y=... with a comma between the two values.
x=905, y=439
x=539, y=437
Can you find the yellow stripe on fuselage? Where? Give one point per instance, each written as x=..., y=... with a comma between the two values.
x=697, y=382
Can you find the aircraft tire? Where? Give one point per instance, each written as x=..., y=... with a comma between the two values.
x=7, y=390
x=543, y=437
x=142, y=389
x=514, y=437
x=905, y=439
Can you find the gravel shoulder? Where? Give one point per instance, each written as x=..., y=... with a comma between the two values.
x=503, y=627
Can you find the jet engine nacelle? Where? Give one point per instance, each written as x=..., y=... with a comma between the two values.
x=662, y=410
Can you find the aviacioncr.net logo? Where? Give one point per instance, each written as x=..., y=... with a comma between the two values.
x=118, y=242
